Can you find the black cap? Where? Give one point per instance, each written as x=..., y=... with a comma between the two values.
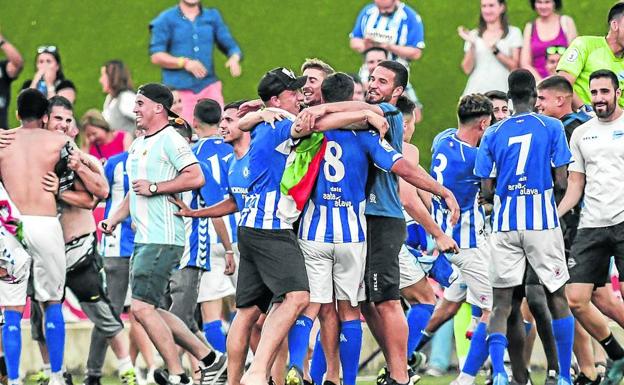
x=160, y=94
x=277, y=81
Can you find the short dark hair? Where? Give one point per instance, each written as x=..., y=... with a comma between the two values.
x=615, y=12
x=556, y=82
x=337, y=87
x=59, y=101
x=182, y=127
x=558, y=4
x=31, y=105
x=605, y=74
x=497, y=95
x=405, y=105
x=207, y=111
x=473, y=106
x=235, y=105
x=366, y=51
x=65, y=83
x=521, y=86
x=401, y=75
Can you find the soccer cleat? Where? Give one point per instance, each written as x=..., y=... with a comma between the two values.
x=327, y=382
x=500, y=379
x=615, y=373
x=412, y=375
x=40, y=378
x=551, y=378
x=582, y=379
x=306, y=382
x=68, y=379
x=381, y=376
x=417, y=361
x=128, y=377
x=92, y=380
x=161, y=376
x=294, y=376
x=434, y=372
x=212, y=374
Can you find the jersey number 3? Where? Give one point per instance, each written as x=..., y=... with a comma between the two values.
x=525, y=143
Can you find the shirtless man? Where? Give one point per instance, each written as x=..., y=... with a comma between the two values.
x=31, y=156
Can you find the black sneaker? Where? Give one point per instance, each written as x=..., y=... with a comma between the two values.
x=327, y=382
x=306, y=382
x=67, y=377
x=294, y=376
x=214, y=373
x=92, y=380
x=582, y=379
x=161, y=376
x=381, y=376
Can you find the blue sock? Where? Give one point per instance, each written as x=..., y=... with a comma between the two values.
x=298, y=340
x=215, y=335
x=350, y=347
x=563, y=331
x=497, y=343
x=55, y=336
x=12, y=342
x=527, y=327
x=417, y=319
x=318, y=366
x=476, y=311
x=478, y=351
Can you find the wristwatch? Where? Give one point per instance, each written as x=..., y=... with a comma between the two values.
x=153, y=188
x=495, y=50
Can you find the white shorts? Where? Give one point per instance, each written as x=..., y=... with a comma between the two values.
x=44, y=242
x=473, y=284
x=543, y=249
x=410, y=269
x=17, y=264
x=335, y=269
x=214, y=284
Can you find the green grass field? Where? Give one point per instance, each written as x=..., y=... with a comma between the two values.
x=271, y=33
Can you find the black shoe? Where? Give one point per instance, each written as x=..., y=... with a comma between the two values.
x=327, y=382
x=161, y=376
x=92, y=380
x=382, y=375
x=68, y=378
x=582, y=379
x=306, y=382
x=215, y=373
x=294, y=376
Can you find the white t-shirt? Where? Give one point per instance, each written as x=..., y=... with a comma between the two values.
x=489, y=73
x=598, y=152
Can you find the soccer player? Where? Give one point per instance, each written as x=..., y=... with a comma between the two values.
x=500, y=104
x=587, y=54
x=597, y=154
x=519, y=152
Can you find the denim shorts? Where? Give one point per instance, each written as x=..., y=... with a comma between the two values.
x=151, y=267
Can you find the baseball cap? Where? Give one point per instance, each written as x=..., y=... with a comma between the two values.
x=277, y=81
x=160, y=94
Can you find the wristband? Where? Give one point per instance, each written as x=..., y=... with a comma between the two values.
x=229, y=252
x=182, y=62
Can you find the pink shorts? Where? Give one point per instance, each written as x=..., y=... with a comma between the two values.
x=189, y=99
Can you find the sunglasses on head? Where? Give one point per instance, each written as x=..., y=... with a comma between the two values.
x=46, y=48
x=555, y=49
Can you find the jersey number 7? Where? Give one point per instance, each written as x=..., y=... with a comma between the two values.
x=525, y=143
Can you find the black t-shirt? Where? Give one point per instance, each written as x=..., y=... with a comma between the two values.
x=5, y=94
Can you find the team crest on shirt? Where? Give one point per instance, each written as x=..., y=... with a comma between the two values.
x=572, y=55
x=386, y=146
x=246, y=172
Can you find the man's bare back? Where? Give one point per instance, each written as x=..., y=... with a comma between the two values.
x=32, y=154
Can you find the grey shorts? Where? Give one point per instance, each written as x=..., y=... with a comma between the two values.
x=151, y=267
x=181, y=295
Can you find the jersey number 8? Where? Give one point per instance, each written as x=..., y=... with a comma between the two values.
x=333, y=169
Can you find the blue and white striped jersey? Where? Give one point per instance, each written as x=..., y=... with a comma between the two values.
x=121, y=242
x=520, y=152
x=402, y=27
x=270, y=147
x=335, y=212
x=452, y=166
x=238, y=179
x=217, y=155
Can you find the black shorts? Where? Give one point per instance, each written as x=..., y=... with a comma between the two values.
x=591, y=254
x=271, y=265
x=384, y=239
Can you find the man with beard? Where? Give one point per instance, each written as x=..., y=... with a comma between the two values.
x=595, y=175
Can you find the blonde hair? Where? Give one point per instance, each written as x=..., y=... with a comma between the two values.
x=93, y=117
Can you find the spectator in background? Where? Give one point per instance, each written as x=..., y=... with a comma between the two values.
x=117, y=84
x=182, y=40
x=49, y=71
x=587, y=54
x=492, y=50
x=553, y=54
x=359, y=89
x=177, y=102
x=9, y=70
x=500, y=105
x=547, y=30
x=104, y=142
x=67, y=89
